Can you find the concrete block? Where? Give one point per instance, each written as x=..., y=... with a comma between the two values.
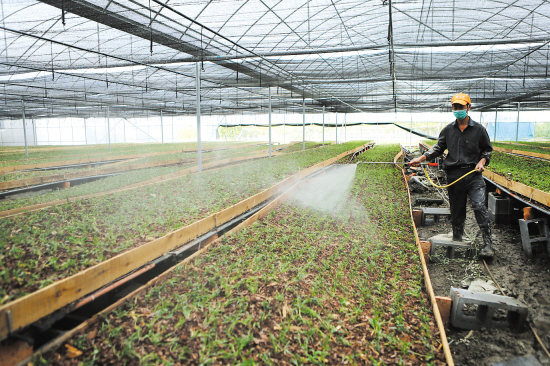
x=446, y=240
x=499, y=207
x=436, y=212
x=520, y=361
x=534, y=231
x=427, y=201
x=474, y=310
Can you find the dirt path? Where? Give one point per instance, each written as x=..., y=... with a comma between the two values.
x=521, y=278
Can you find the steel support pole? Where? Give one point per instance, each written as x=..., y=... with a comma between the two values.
x=24, y=127
x=303, y=123
x=269, y=88
x=517, y=124
x=323, y=125
x=336, y=142
x=109, y=127
x=345, y=127
x=34, y=133
x=198, y=83
x=85, y=133
x=161, y=129
x=411, y=133
x=284, y=128
x=495, y=137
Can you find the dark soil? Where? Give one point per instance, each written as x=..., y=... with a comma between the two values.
x=521, y=278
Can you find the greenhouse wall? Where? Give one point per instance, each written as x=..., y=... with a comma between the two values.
x=78, y=131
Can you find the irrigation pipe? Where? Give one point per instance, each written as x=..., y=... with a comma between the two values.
x=448, y=185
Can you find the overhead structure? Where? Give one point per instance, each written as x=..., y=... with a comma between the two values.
x=135, y=58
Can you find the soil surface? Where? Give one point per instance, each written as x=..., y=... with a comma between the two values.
x=524, y=279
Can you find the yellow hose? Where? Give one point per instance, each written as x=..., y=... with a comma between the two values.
x=448, y=185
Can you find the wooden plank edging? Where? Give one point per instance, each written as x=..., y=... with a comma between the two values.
x=32, y=307
x=522, y=152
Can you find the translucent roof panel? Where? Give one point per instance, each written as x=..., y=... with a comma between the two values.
x=138, y=57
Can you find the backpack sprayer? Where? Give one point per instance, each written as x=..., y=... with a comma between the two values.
x=423, y=165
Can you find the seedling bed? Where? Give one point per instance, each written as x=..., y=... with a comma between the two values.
x=297, y=287
x=126, y=179
x=22, y=179
x=522, y=147
x=532, y=172
x=297, y=146
x=41, y=247
x=44, y=154
x=544, y=144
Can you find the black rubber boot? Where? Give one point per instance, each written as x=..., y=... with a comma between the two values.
x=458, y=232
x=487, y=251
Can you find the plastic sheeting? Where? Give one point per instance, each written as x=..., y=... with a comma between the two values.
x=137, y=56
x=506, y=131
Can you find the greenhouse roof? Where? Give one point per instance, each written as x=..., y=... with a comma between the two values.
x=80, y=58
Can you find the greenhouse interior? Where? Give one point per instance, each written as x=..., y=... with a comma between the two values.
x=261, y=182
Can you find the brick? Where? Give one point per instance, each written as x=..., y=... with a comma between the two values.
x=529, y=213
x=417, y=217
x=426, y=246
x=13, y=353
x=474, y=310
x=444, y=306
x=534, y=231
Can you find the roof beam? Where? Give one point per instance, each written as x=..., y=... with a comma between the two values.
x=95, y=13
x=514, y=99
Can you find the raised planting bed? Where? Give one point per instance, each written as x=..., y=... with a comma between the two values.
x=40, y=155
x=543, y=144
x=25, y=179
x=298, y=146
x=44, y=246
x=522, y=147
x=15, y=204
x=101, y=185
x=532, y=172
x=297, y=287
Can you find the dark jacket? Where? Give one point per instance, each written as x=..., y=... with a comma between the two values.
x=466, y=148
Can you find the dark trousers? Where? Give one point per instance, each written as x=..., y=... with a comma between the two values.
x=472, y=186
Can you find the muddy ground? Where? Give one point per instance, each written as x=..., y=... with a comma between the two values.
x=525, y=279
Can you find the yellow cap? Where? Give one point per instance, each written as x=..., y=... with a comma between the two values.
x=461, y=98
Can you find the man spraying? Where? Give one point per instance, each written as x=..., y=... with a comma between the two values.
x=469, y=148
